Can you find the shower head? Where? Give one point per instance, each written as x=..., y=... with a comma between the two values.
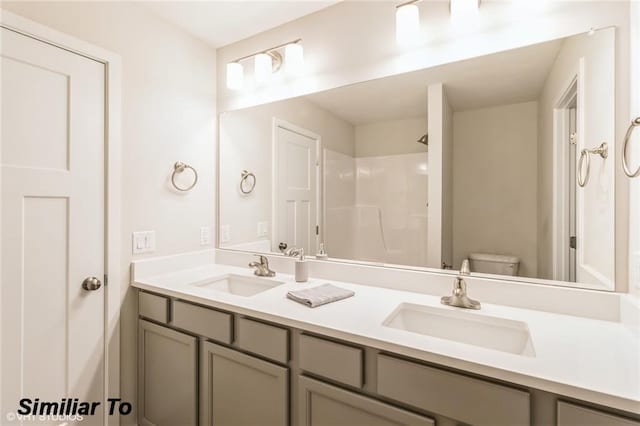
x=424, y=139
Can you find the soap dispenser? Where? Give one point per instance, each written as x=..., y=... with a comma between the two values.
x=302, y=268
x=322, y=255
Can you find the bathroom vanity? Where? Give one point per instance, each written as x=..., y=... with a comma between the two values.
x=220, y=346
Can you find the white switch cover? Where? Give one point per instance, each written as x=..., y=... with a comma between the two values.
x=225, y=233
x=205, y=236
x=263, y=229
x=144, y=242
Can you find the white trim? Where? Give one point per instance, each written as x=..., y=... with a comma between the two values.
x=113, y=196
x=560, y=227
x=279, y=123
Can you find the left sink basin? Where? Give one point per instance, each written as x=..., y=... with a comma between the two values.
x=239, y=285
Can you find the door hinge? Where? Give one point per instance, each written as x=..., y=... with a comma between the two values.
x=573, y=138
x=317, y=230
x=572, y=242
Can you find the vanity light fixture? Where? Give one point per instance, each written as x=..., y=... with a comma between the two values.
x=408, y=23
x=463, y=8
x=294, y=58
x=263, y=67
x=266, y=63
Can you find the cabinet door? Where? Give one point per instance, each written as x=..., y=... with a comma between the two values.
x=321, y=404
x=238, y=389
x=167, y=376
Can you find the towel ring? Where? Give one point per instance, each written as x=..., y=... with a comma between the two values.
x=180, y=167
x=585, y=155
x=625, y=165
x=247, y=178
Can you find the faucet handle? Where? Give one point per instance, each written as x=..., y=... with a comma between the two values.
x=263, y=259
x=464, y=268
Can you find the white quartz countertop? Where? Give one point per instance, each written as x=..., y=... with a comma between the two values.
x=592, y=360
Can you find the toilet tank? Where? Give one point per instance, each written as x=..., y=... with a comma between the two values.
x=494, y=264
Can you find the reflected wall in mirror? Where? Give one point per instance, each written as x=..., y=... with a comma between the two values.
x=477, y=160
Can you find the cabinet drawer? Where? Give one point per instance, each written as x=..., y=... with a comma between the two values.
x=206, y=322
x=263, y=339
x=153, y=307
x=323, y=404
x=332, y=360
x=574, y=415
x=453, y=395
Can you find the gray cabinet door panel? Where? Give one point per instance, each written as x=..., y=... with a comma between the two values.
x=321, y=404
x=574, y=415
x=459, y=397
x=238, y=389
x=167, y=376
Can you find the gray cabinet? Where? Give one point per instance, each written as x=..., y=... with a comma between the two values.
x=321, y=404
x=167, y=376
x=238, y=389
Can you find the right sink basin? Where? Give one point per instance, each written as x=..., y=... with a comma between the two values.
x=471, y=328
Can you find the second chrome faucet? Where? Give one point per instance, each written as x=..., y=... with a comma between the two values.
x=459, y=297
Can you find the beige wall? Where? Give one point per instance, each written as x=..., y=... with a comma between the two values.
x=168, y=114
x=246, y=144
x=390, y=137
x=494, y=181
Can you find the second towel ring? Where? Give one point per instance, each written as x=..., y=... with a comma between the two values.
x=625, y=165
x=247, y=182
x=180, y=167
x=585, y=155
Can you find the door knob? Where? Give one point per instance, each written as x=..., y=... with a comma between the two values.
x=91, y=284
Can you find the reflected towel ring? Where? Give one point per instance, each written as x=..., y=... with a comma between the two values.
x=247, y=182
x=625, y=165
x=585, y=154
x=180, y=167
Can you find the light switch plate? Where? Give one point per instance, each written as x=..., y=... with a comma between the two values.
x=263, y=229
x=225, y=233
x=205, y=236
x=144, y=242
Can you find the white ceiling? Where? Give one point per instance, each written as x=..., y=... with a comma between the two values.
x=503, y=78
x=224, y=22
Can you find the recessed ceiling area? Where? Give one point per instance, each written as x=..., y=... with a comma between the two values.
x=508, y=77
x=220, y=23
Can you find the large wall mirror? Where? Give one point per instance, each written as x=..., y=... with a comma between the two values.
x=505, y=160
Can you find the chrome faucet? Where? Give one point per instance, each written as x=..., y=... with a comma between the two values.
x=459, y=297
x=262, y=267
x=293, y=252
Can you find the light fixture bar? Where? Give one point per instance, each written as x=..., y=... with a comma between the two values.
x=406, y=3
x=280, y=46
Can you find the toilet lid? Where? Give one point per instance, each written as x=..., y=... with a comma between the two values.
x=497, y=258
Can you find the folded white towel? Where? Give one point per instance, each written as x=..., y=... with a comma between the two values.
x=320, y=295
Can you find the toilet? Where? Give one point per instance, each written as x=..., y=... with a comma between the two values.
x=499, y=264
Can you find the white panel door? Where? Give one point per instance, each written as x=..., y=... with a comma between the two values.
x=296, y=192
x=52, y=223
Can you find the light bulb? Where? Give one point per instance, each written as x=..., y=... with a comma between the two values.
x=407, y=25
x=294, y=58
x=235, y=76
x=463, y=8
x=263, y=67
